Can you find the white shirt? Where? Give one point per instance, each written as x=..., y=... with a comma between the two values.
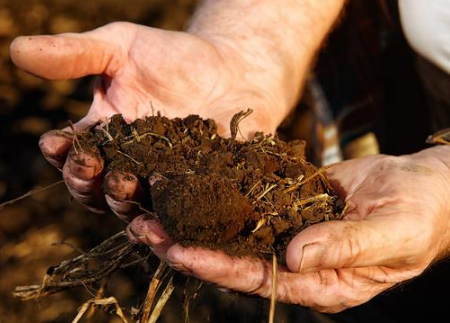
x=426, y=24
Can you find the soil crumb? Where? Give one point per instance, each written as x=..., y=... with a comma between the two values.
x=242, y=197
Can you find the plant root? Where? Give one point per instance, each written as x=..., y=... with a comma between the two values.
x=83, y=270
x=30, y=193
x=101, y=302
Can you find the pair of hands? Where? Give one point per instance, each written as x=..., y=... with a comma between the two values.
x=397, y=222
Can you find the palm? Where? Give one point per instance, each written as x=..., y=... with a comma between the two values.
x=389, y=235
x=174, y=73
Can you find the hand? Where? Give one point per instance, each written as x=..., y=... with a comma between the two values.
x=176, y=73
x=396, y=225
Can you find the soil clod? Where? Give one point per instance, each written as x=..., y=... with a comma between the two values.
x=242, y=197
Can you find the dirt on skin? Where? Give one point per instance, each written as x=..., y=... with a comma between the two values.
x=242, y=197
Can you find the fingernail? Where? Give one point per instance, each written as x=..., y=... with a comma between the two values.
x=312, y=255
x=154, y=239
x=85, y=167
x=135, y=232
x=55, y=145
x=131, y=234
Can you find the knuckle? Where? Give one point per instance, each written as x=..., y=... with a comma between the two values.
x=352, y=248
x=261, y=284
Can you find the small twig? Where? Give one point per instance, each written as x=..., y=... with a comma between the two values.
x=75, y=138
x=311, y=199
x=294, y=186
x=101, y=302
x=260, y=223
x=326, y=183
x=139, y=137
x=345, y=209
x=186, y=302
x=98, y=296
x=187, y=298
x=129, y=157
x=236, y=120
x=263, y=220
x=81, y=311
x=136, y=135
x=254, y=186
x=79, y=271
x=68, y=244
x=142, y=208
x=438, y=140
x=199, y=287
x=273, y=296
x=283, y=156
x=152, y=108
x=440, y=137
x=267, y=190
x=168, y=290
x=110, y=138
x=134, y=262
x=152, y=290
x=30, y=193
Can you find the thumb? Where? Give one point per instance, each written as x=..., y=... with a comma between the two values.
x=350, y=244
x=69, y=55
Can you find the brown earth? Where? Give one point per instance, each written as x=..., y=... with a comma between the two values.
x=242, y=197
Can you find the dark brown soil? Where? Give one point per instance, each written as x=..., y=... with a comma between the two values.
x=242, y=197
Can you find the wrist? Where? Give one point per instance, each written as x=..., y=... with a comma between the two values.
x=256, y=76
x=272, y=44
x=438, y=160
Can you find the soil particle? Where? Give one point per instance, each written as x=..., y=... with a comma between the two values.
x=242, y=197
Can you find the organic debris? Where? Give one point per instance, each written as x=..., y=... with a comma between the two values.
x=83, y=270
x=242, y=197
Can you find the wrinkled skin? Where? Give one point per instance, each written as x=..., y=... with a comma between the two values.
x=397, y=221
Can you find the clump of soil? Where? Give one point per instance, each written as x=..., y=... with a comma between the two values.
x=242, y=197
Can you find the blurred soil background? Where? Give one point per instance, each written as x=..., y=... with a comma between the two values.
x=30, y=228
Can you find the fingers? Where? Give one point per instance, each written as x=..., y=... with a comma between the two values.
x=69, y=55
x=147, y=230
x=342, y=175
x=246, y=275
x=378, y=241
x=328, y=290
x=56, y=144
x=82, y=172
x=124, y=194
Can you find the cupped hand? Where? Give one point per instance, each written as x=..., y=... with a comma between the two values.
x=140, y=69
x=396, y=225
